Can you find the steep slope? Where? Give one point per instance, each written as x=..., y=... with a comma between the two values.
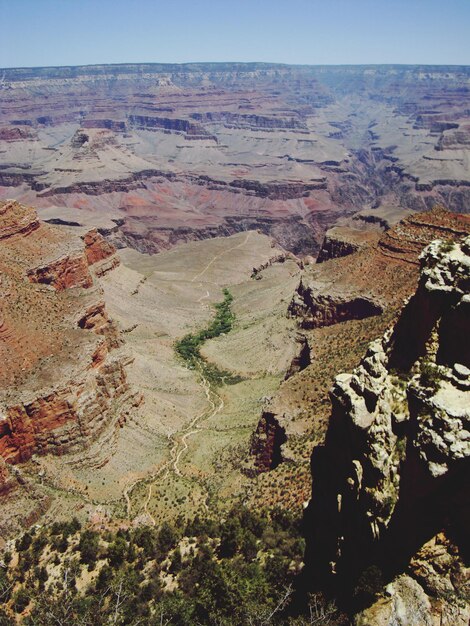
x=340, y=305
x=62, y=380
x=390, y=484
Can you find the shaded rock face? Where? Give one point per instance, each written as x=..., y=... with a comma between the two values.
x=266, y=447
x=315, y=309
x=302, y=359
x=341, y=242
x=393, y=472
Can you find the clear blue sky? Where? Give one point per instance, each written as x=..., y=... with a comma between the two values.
x=73, y=32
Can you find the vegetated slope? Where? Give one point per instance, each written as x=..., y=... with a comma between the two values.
x=340, y=306
x=390, y=484
x=175, y=153
x=239, y=570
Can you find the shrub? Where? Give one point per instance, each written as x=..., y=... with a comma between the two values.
x=20, y=600
x=429, y=375
x=89, y=547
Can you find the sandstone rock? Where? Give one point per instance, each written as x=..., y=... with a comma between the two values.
x=64, y=273
x=406, y=604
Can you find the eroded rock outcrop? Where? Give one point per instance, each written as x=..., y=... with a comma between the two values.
x=96, y=247
x=62, y=381
x=393, y=472
x=341, y=241
x=64, y=273
x=315, y=307
x=266, y=446
x=67, y=418
x=302, y=358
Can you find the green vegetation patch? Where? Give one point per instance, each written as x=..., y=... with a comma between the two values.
x=237, y=570
x=188, y=348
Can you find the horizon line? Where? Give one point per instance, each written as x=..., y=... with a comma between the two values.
x=247, y=63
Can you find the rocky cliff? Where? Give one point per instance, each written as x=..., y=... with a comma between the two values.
x=180, y=152
x=340, y=305
x=390, y=485
x=62, y=376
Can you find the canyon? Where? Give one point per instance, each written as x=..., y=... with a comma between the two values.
x=330, y=207
x=157, y=155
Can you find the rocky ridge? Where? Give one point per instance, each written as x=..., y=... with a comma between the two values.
x=394, y=468
x=63, y=379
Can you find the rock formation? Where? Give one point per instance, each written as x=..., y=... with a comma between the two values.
x=390, y=485
x=337, y=335
x=340, y=241
x=62, y=381
x=316, y=309
x=180, y=152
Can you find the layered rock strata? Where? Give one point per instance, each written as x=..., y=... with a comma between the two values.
x=62, y=381
x=180, y=152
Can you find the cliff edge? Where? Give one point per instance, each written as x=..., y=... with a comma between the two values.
x=388, y=519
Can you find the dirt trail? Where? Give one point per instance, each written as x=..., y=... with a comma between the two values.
x=179, y=447
x=221, y=254
x=180, y=438
x=195, y=423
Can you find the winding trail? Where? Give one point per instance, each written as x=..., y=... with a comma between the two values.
x=195, y=422
x=180, y=438
x=179, y=447
x=221, y=254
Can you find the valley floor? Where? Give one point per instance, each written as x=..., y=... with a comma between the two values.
x=187, y=447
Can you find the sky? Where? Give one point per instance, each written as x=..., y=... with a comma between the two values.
x=79, y=32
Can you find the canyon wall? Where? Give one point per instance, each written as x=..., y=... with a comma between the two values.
x=390, y=484
x=62, y=376
x=172, y=153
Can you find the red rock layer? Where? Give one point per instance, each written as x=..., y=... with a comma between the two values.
x=96, y=247
x=70, y=271
x=60, y=383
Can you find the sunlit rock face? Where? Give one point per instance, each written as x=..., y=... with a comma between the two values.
x=394, y=469
x=62, y=382
x=172, y=153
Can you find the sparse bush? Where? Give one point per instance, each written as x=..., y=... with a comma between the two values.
x=89, y=547
x=429, y=375
x=20, y=600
